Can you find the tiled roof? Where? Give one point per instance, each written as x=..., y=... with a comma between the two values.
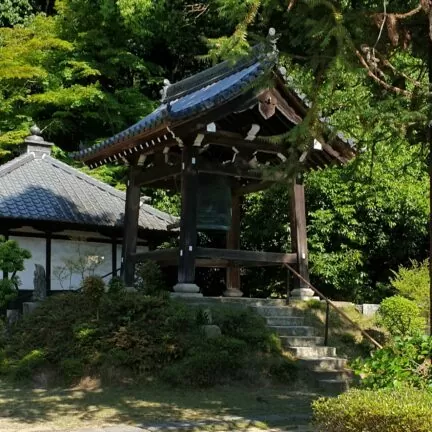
x=194, y=100
x=35, y=186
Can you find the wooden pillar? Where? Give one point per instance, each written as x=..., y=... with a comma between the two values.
x=299, y=239
x=48, y=262
x=233, y=242
x=130, y=227
x=6, y=237
x=114, y=256
x=188, y=224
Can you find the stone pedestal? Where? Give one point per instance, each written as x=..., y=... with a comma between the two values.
x=29, y=307
x=12, y=316
x=303, y=294
x=130, y=289
x=186, y=290
x=232, y=292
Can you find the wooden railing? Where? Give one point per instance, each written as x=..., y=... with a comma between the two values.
x=333, y=305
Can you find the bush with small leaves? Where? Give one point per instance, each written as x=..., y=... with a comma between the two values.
x=116, y=285
x=400, y=316
x=405, y=361
x=386, y=410
x=93, y=288
x=149, y=279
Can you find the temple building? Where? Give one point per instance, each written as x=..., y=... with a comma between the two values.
x=70, y=222
x=217, y=136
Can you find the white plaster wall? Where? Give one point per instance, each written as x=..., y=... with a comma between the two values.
x=37, y=248
x=62, y=253
x=67, y=252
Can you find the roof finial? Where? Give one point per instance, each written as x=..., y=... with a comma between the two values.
x=34, y=130
x=36, y=143
x=272, y=37
x=164, y=90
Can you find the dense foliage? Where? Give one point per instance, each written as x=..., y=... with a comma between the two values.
x=403, y=410
x=12, y=259
x=84, y=70
x=401, y=317
x=413, y=283
x=404, y=361
x=144, y=337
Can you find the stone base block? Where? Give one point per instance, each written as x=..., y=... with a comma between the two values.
x=232, y=292
x=302, y=293
x=130, y=289
x=12, y=316
x=211, y=331
x=186, y=290
x=29, y=307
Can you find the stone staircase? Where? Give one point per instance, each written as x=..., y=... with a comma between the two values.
x=320, y=365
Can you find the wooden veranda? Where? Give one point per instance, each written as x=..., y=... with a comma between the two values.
x=225, y=122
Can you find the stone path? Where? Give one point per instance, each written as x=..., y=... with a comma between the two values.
x=299, y=423
x=122, y=428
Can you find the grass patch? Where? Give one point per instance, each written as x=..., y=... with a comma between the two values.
x=345, y=337
x=24, y=409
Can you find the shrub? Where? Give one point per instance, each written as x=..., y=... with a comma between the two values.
x=404, y=361
x=149, y=336
x=93, y=288
x=413, y=283
x=400, y=316
x=149, y=278
x=210, y=362
x=26, y=366
x=402, y=410
x=116, y=285
x=12, y=259
x=248, y=326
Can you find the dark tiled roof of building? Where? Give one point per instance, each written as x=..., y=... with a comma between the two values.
x=193, y=96
x=35, y=186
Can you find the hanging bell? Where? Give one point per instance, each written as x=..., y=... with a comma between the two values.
x=214, y=203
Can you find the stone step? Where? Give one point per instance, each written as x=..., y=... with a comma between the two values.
x=240, y=301
x=334, y=385
x=294, y=330
x=323, y=363
x=313, y=351
x=277, y=311
x=301, y=341
x=335, y=375
x=285, y=321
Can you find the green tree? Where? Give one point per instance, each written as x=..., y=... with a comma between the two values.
x=12, y=259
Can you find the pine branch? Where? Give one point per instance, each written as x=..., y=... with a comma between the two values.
x=291, y=4
x=371, y=74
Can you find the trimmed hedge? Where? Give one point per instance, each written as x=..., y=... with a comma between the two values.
x=385, y=410
x=143, y=336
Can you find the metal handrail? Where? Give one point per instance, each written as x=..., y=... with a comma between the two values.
x=111, y=273
x=333, y=305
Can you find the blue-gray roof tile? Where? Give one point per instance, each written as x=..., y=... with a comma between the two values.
x=41, y=188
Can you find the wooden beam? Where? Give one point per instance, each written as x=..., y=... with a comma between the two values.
x=228, y=170
x=299, y=232
x=157, y=173
x=130, y=227
x=252, y=187
x=284, y=108
x=229, y=139
x=247, y=256
x=156, y=255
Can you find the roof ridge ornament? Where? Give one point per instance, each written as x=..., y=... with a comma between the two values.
x=36, y=143
x=272, y=39
x=164, y=90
